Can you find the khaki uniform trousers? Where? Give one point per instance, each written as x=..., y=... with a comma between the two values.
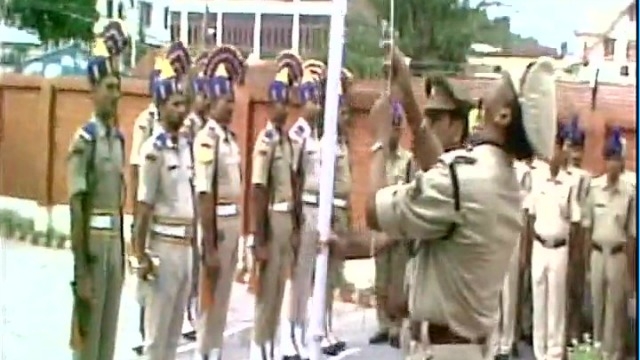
x=390, y=279
x=608, y=282
x=502, y=338
x=548, y=285
x=107, y=274
x=211, y=323
x=273, y=275
x=167, y=297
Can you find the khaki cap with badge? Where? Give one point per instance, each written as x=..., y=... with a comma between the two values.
x=443, y=95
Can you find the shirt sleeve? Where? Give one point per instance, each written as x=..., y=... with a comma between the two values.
x=260, y=160
x=138, y=137
x=204, y=153
x=587, y=210
x=423, y=209
x=150, y=167
x=632, y=217
x=574, y=205
x=77, y=163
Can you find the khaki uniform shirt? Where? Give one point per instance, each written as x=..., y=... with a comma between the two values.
x=108, y=165
x=227, y=158
x=166, y=170
x=461, y=269
x=554, y=205
x=272, y=164
x=610, y=211
x=145, y=126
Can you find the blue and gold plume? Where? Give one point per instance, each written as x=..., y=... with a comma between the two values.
x=310, y=89
x=575, y=134
x=224, y=67
x=110, y=42
x=615, y=146
x=178, y=57
x=167, y=83
x=289, y=73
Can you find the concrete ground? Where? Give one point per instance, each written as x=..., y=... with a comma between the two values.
x=36, y=306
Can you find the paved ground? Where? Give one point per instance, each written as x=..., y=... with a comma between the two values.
x=36, y=312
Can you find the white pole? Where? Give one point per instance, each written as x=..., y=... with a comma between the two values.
x=257, y=35
x=295, y=26
x=328, y=157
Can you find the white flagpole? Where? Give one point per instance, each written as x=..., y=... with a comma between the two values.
x=328, y=157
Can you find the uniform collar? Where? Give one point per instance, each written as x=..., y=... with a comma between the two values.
x=101, y=127
x=615, y=188
x=214, y=126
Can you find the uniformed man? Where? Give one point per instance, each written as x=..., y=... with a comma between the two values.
x=554, y=209
x=218, y=183
x=165, y=212
x=503, y=338
x=273, y=208
x=391, y=263
x=448, y=110
x=610, y=220
x=96, y=187
x=147, y=125
x=341, y=221
x=454, y=206
x=577, y=276
x=306, y=143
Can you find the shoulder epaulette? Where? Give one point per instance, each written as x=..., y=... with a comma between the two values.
x=161, y=141
x=89, y=131
x=464, y=159
x=270, y=136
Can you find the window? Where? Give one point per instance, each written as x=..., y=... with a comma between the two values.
x=109, y=9
x=195, y=28
x=237, y=29
x=624, y=70
x=145, y=13
x=174, y=25
x=631, y=51
x=609, y=46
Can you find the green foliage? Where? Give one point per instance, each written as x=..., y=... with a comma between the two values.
x=445, y=29
x=364, y=57
x=55, y=20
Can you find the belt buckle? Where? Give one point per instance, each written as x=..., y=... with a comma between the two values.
x=310, y=198
x=226, y=210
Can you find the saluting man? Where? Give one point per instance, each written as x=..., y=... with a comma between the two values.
x=166, y=214
x=304, y=137
x=273, y=208
x=146, y=125
x=218, y=183
x=446, y=208
x=448, y=111
x=554, y=209
x=94, y=179
x=610, y=223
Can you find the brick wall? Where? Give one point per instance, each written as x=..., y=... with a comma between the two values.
x=39, y=116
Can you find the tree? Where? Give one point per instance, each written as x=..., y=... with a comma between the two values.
x=55, y=20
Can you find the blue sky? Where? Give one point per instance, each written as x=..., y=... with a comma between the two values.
x=551, y=21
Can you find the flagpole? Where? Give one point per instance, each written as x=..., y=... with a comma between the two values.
x=328, y=157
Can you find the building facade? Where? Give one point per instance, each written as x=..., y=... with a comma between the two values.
x=609, y=45
x=261, y=27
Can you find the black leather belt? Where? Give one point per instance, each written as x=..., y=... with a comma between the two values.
x=550, y=244
x=613, y=250
x=443, y=335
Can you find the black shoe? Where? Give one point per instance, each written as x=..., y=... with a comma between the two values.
x=394, y=341
x=340, y=345
x=190, y=335
x=379, y=338
x=292, y=357
x=502, y=357
x=138, y=350
x=331, y=350
x=515, y=351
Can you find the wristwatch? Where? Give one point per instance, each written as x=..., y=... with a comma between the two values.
x=378, y=145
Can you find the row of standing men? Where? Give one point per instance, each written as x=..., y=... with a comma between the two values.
x=187, y=182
